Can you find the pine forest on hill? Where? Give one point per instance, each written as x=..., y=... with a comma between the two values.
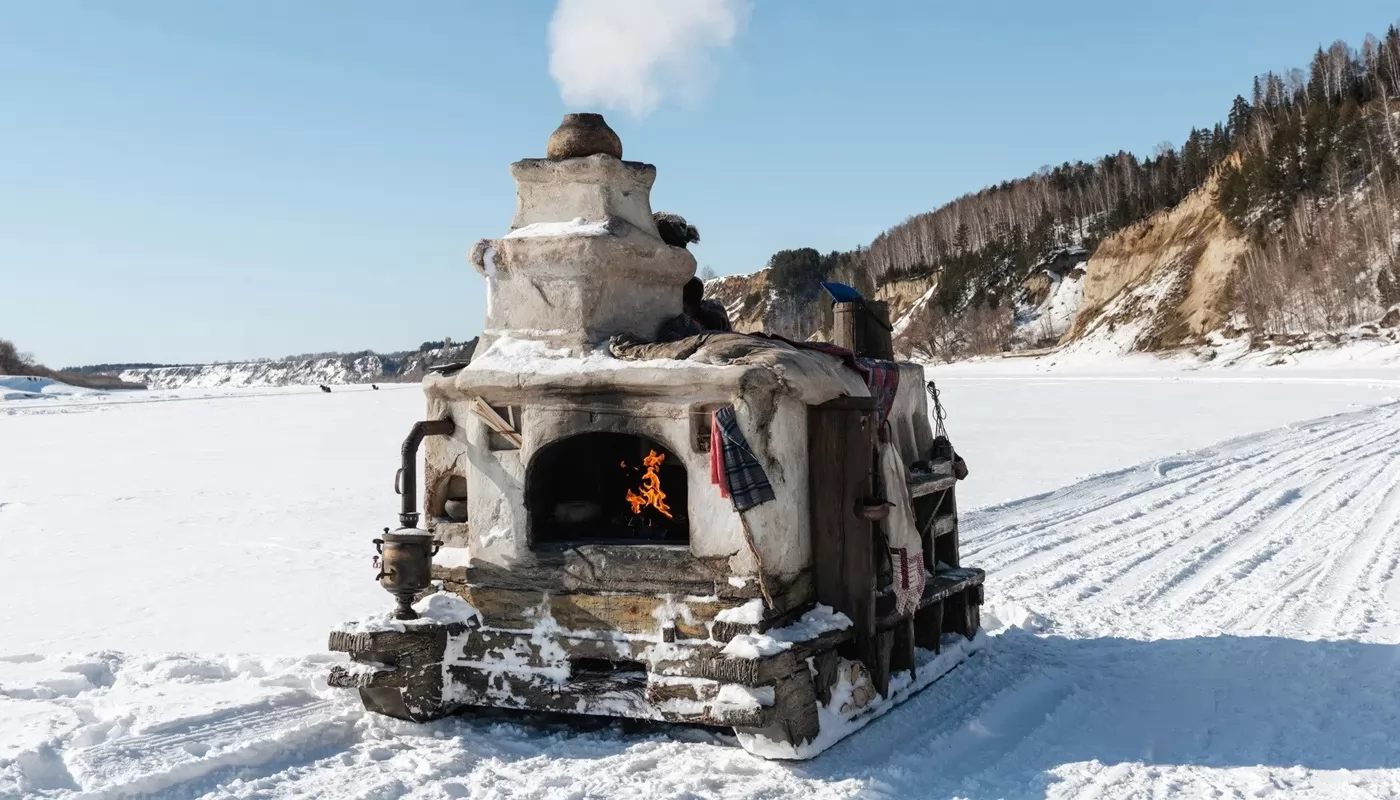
x=1306, y=168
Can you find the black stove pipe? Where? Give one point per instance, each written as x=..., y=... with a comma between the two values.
x=407, y=483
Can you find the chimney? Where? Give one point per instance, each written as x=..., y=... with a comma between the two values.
x=583, y=260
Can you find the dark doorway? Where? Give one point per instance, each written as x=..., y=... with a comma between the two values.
x=607, y=488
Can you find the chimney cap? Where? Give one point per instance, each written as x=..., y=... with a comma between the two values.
x=581, y=135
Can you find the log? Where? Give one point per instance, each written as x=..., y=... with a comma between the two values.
x=708, y=662
x=624, y=695
x=793, y=716
x=511, y=609
x=412, y=689
x=633, y=569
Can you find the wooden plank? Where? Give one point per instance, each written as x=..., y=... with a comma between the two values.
x=639, y=569
x=928, y=484
x=840, y=447
x=944, y=524
x=632, y=569
x=512, y=609
x=944, y=584
x=945, y=548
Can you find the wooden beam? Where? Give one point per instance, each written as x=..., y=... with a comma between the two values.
x=840, y=441
x=902, y=657
x=494, y=421
x=941, y=586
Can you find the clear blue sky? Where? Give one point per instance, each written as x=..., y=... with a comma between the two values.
x=190, y=181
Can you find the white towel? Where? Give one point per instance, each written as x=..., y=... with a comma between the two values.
x=906, y=547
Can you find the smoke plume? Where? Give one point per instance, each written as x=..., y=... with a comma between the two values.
x=630, y=54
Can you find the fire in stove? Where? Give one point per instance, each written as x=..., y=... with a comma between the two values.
x=651, y=494
x=605, y=487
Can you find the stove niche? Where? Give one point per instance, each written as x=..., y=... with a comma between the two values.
x=606, y=488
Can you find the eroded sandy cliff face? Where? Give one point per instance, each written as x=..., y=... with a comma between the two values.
x=1162, y=282
x=745, y=297
x=1156, y=285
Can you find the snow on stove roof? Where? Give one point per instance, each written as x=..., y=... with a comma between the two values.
x=511, y=354
x=524, y=363
x=574, y=227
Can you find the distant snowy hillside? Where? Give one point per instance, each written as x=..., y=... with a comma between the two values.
x=330, y=369
x=33, y=387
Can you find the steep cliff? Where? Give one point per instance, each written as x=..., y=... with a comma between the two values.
x=1160, y=283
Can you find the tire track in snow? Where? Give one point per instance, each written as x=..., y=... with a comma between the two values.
x=1340, y=586
x=1147, y=483
x=1218, y=540
x=247, y=737
x=1242, y=547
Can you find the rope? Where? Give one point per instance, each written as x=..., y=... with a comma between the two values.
x=938, y=413
x=758, y=559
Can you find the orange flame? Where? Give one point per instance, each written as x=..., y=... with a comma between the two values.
x=651, y=494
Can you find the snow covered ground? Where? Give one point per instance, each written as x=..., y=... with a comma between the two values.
x=1192, y=582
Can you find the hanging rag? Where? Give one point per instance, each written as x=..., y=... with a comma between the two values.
x=882, y=378
x=906, y=546
x=717, y=476
x=742, y=475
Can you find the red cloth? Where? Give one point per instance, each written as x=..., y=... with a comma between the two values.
x=717, y=457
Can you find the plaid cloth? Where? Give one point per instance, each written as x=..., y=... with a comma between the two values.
x=882, y=377
x=743, y=477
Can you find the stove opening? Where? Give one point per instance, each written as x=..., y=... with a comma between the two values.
x=607, y=488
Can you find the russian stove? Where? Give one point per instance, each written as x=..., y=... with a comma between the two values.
x=591, y=564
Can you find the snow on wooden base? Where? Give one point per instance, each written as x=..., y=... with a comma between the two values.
x=854, y=703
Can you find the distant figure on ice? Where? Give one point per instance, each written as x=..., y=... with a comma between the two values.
x=374, y=387
x=325, y=388
x=709, y=314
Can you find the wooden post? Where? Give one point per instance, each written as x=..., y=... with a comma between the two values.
x=902, y=658
x=863, y=328
x=841, y=442
x=945, y=547
x=928, y=627
x=846, y=323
